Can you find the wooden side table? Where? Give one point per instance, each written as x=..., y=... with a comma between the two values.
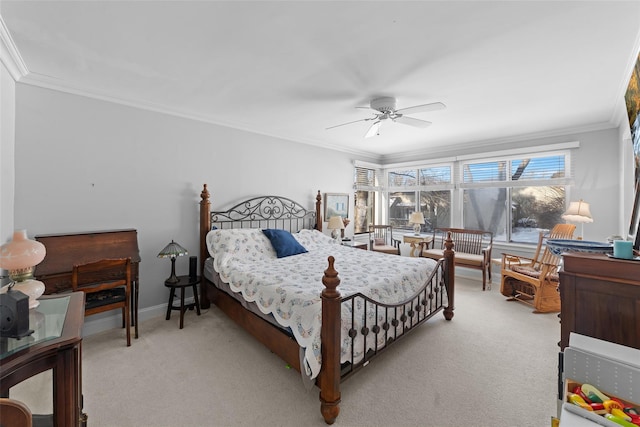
x=416, y=240
x=182, y=283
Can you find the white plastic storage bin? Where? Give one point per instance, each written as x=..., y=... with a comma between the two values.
x=612, y=368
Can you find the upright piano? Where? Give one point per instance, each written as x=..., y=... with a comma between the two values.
x=66, y=250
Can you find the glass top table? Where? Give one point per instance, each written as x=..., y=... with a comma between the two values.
x=47, y=322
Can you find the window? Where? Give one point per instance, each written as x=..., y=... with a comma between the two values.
x=365, y=185
x=514, y=197
x=427, y=190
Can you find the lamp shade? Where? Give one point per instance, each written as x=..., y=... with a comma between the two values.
x=416, y=218
x=21, y=252
x=172, y=250
x=335, y=223
x=578, y=212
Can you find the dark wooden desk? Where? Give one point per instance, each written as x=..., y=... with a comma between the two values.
x=600, y=298
x=56, y=344
x=66, y=250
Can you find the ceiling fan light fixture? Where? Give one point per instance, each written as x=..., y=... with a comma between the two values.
x=385, y=109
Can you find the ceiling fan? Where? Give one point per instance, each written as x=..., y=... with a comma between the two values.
x=385, y=109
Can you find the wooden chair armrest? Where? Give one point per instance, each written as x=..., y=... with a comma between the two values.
x=509, y=259
x=547, y=270
x=487, y=254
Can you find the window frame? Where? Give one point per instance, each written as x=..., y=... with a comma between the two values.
x=457, y=186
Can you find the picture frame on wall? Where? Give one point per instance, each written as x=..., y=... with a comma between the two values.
x=336, y=204
x=632, y=101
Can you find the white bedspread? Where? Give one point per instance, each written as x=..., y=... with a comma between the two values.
x=289, y=288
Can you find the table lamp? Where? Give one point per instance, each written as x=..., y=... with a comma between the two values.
x=172, y=250
x=417, y=219
x=578, y=212
x=19, y=257
x=335, y=224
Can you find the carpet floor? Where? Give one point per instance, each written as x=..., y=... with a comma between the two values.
x=495, y=363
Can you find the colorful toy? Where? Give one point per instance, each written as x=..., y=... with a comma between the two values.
x=591, y=399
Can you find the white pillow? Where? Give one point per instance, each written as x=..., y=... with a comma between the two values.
x=245, y=243
x=313, y=238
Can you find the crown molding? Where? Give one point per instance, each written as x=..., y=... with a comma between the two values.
x=9, y=55
x=492, y=144
x=12, y=60
x=46, y=82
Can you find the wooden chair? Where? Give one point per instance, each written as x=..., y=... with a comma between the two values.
x=381, y=239
x=472, y=247
x=107, y=286
x=534, y=281
x=14, y=413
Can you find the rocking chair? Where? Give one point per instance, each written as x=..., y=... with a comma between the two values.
x=534, y=281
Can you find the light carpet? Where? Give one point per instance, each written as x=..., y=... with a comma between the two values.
x=494, y=364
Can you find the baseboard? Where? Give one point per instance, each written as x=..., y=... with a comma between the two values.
x=101, y=324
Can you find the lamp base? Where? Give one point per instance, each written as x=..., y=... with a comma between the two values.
x=416, y=229
x=173, y=278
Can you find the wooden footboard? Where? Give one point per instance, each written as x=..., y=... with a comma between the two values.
x=436, y=295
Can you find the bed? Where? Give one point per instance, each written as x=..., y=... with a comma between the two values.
x=325, y=325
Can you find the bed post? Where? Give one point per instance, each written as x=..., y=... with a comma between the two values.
x=319, y=211
x=449, y=278
x=205, y=226
x=329, y=377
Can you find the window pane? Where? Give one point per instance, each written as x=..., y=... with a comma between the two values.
x=363, y=211
x=436, y=208
x=401, y=205
x=402, y=178
x=485, y=172
x=538, y=168
x=535, y=209
x=435, y=175
x=365, y=177
x=485, y=209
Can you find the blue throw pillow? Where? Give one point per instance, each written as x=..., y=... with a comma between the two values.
x=283, y=242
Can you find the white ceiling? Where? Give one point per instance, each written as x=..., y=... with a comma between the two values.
x=291, y=69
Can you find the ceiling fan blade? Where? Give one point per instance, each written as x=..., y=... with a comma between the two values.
x=348, y=123
x=422, y=108
x=373, y=129
x=412, y=122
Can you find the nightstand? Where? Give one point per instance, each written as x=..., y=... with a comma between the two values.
x=354, y=244
x=415, y=241
x=183, y=282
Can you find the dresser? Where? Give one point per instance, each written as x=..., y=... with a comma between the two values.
x=600, y=298
x=65, y=250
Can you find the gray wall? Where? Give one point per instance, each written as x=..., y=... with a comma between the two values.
x=83, y=164
x=7, y=138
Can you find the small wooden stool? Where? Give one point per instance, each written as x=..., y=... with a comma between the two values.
x=182, y=283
